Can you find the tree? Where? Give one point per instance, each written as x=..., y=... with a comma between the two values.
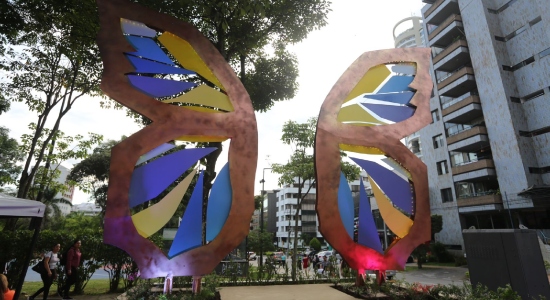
x=260, y=241
x=49, y=63
x=421, y=251
x=92, y=173
x=9, y=156
x=437, y=225
x=301, y=137
x=306, y=237
x=315, y=244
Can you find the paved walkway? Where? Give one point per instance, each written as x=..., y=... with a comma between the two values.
x=286, y=292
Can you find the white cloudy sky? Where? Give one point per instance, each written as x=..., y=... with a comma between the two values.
x=354, y=27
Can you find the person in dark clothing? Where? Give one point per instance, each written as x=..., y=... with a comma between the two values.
x=71, y=268
x=49, y=274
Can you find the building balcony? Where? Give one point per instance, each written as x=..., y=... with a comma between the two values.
x=472, y=171
x=469, y=140
x=440, y=10
x=479, y=199
x=452, y=57
x=447, y=32
x=454, y=104
x=288, y=223
x=286, y=212
x=457, y=83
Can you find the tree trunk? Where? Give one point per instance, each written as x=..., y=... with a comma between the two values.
x=294, y=248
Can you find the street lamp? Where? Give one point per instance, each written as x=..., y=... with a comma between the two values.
x=262, y=218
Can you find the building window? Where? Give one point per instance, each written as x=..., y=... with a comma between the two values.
x=438, y=141
x=435, y=115
x=446, y=195
x=442, y=167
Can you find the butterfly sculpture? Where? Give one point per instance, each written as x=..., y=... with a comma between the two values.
x=381, y=98
x=167, y=71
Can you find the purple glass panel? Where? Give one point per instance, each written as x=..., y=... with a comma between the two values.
x=400, y=98
x=390, y=112
x=189, y=235
x=151, y=179
x=149, y=66
x=146, y=47
x=345, y=205
x=157, y=87
x=136, y=28
x=367, y=232
x=395, y=187
x=397, y=84
x=219, y=204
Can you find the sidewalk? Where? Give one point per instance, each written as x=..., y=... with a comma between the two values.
x=286, y=292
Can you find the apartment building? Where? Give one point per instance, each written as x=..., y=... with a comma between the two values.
x=284, y=203
x=488, y=149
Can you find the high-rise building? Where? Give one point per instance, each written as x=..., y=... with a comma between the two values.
x=487, y=149
x=409, y=33
x=67, y=194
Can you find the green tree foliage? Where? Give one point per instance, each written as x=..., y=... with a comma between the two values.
x=50, y=62
x=260, y=241
x=301, y=137
x=9, y=156
x=306, y=237
x=92, y=173
x=437, y=225
x=315, y=244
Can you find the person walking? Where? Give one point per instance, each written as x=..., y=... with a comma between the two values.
x=283, y=260
x=49, y=273
x=5, y=292
x=71, y=268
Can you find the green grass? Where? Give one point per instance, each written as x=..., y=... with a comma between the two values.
x=94, y=287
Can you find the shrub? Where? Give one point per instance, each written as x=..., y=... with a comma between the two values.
x=440, y=253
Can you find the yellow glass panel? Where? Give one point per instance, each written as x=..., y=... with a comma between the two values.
x=398, y=223
x=152, y=219
x=201, y=138
x=203, y=109
x=372, y=79
x=356, y=113
x=361, y=149
x=187, y=57
x=204, y=95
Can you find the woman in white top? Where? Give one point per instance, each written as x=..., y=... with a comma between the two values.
x=51, y=258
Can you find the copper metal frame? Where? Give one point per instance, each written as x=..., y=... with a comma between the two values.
x=170, y=122
x=330, y=133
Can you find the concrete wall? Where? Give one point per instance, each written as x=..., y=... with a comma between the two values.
x=513, y=155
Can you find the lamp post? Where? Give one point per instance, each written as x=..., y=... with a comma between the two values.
x=262, y=218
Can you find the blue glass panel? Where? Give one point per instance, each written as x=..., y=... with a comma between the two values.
x=395, y=187
x=397, y=84
x=155, y=152
x=400, y=98
x=148, y=66
x=146, y=47
x=219, y=204
x=345, y=205
x=136, y=28
x=189, y=235
x=390, y=112
x=152, y=178
x=157, y=87
x=367, y=232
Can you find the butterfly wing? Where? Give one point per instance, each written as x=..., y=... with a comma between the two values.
x=368, y=111
x=167, y=71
